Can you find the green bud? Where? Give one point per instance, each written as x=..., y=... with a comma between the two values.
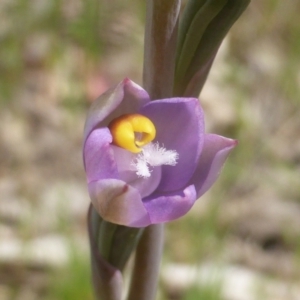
x=202, y=29
x=111, y=247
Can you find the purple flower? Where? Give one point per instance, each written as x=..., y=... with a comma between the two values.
x=148, y=162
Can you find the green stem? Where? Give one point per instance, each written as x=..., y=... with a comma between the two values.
x=116, y=242
x=160, y=47
x=127, y=238
x=147, y=263
x=95, y=221
x=107, y=280
x=105, y=238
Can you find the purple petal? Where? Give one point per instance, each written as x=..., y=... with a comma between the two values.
x=214, y=154
x=179, y=125
x=99, y=157
x=118, y=203
x=170, y=207
x=124, y=160
x=126, y=97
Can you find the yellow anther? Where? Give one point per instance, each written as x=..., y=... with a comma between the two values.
x=132, y=132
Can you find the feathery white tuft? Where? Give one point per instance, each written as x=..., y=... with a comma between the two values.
x=157, y=156
x=153, y=155
x=142, y=169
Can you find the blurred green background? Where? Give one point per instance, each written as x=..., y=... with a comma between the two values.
x=240, y=241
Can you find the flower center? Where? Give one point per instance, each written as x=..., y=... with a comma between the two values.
x=134, y=133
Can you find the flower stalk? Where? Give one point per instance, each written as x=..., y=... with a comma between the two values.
x=147, y=263
x=135, y=184
x=161, y=30
x=107, y=280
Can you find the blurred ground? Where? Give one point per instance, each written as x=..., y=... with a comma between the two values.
x=55, y=58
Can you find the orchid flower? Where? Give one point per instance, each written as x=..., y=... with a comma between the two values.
x=147, y=162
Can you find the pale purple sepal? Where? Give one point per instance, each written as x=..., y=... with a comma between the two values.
x=125, y=98
x=214, y=154
x=99, y=157
x=118, y=202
